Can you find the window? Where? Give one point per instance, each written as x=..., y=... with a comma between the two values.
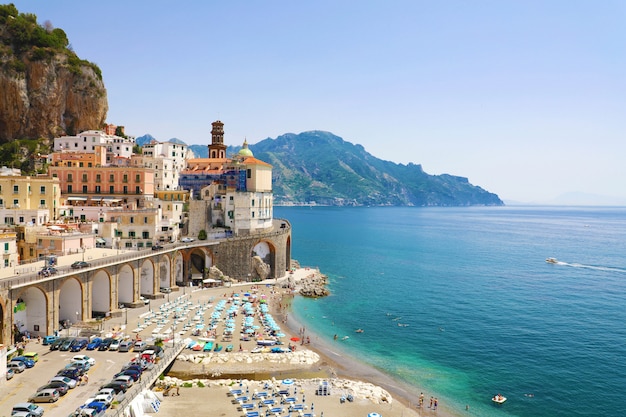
x=128, y=244
x=253, y=202
x=84, y=189
x=89, y=164
x=145, y=235
x=69, y=188
x=16, y=189
x=80, y=164
x=132, y=219
x=8, y=220
x=111, y=189
x=98, y=178
x=249, y=173
x=125, y=191
x=125, y=178
x=111, y=178
x=69, y=177
x=16, y=202
x=145, y=220
x=84, y=177
x=131, y=234
x=1, y=202
x=137, y=190
x=98, y=189
x=137, y=178
x=21, y=221
x=42, y=203
x=42, y=189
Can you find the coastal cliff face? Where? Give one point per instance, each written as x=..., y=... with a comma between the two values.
x=49, y=100
x=45, y=89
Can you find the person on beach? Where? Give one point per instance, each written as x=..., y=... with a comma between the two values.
x=431, y=403
x=435, y=403
x=421, y=400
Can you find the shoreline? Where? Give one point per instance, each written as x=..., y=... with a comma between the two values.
x=348, y=367
x=344, y=372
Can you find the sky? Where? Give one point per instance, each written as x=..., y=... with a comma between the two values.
x=525, y=98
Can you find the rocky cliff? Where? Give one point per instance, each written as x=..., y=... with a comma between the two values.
x=45, y=90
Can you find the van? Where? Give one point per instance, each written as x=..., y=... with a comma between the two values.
x=125, y=346
x=139, y=346
x=48, y=340
x=34, y=356
x=48, y=395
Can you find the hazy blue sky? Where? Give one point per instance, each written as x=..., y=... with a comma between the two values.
x=525, y=98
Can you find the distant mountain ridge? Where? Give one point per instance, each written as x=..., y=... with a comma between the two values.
x=321, y=168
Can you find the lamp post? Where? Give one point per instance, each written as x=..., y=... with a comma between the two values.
x=77, y=313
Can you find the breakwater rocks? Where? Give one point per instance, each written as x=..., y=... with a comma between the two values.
x=314, y=285
x=214, y=364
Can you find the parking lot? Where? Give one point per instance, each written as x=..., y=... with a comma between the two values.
x=50, y=362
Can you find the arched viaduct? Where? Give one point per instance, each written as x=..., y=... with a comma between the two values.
x=41, y=305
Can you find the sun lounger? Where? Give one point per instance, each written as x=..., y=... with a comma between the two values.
x=252, y=414
x=234, y=392
x=247, y=406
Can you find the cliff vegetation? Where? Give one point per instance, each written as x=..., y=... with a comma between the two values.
x=46, y=90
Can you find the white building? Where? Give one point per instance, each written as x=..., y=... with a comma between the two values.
x=167, y=159
x=88, y=140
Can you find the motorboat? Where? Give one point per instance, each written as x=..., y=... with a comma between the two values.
x=551, y=260
x=498, y=399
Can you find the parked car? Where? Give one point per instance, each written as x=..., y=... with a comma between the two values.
x=84, y=411
x=158, y=350
x=17, y=366
x=82, y=367
x=49, y=395
x=73, y=373
x=78, y=345
x=105, y=399
x=157, y=246
x=80, y=264
x=67, y=344
x=187, y=239
x=48, y=340
x=94, y=344
x=106, y=343
x=29, y=363
x=10, y=373
x=84, y=358
x=118, y=386
x=95, y=405
x=107, y=391
x=34, y=356
x=127, y=379
x=135, y=374
x=62, y=387
x=115, y=344
x=66, y=380
x=33, y=409
x=139, y=346
x=57, y=343
x=125, y=346
x=165, y=290
x=144, y=300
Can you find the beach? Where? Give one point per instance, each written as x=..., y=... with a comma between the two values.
x=206, y=378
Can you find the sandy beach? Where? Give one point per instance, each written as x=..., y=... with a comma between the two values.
x=207, y=378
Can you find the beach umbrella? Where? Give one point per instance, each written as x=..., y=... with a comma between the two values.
x=295, y=339
x=374, y=415
x=287, y=381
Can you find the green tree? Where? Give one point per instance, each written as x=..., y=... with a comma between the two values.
x=202, y=235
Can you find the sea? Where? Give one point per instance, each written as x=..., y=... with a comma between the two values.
x=461, y=302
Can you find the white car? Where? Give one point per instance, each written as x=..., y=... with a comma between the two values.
x=69, y=381
x=84, y=358
x=187, y=239
x=115, y=344
x=107, y=391
x=127, y=379
x=105, y=399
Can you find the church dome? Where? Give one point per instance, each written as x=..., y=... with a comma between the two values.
x=245, y=151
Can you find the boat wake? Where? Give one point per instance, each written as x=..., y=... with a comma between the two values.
x=594, y=267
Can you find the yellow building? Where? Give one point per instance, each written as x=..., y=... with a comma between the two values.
x=28, y=200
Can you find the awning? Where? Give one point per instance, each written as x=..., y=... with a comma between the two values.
x=76, y=198
x=100, y=240
x=210, y=280
x=110, y=199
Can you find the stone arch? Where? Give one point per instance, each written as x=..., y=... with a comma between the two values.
x=146, y=278
x=30, y=312
x=165, y=268
x=179, y=268
x=101, y=294
x=71, y=301
x=266, y=250
x=288, y=253
x=125, y=285
x=199, y=260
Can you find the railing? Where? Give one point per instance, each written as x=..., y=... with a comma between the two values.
x=147, y=380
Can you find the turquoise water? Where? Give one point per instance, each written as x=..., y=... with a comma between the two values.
x=481, y=310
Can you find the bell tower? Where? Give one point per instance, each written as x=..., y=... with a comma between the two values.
x=217, y=149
